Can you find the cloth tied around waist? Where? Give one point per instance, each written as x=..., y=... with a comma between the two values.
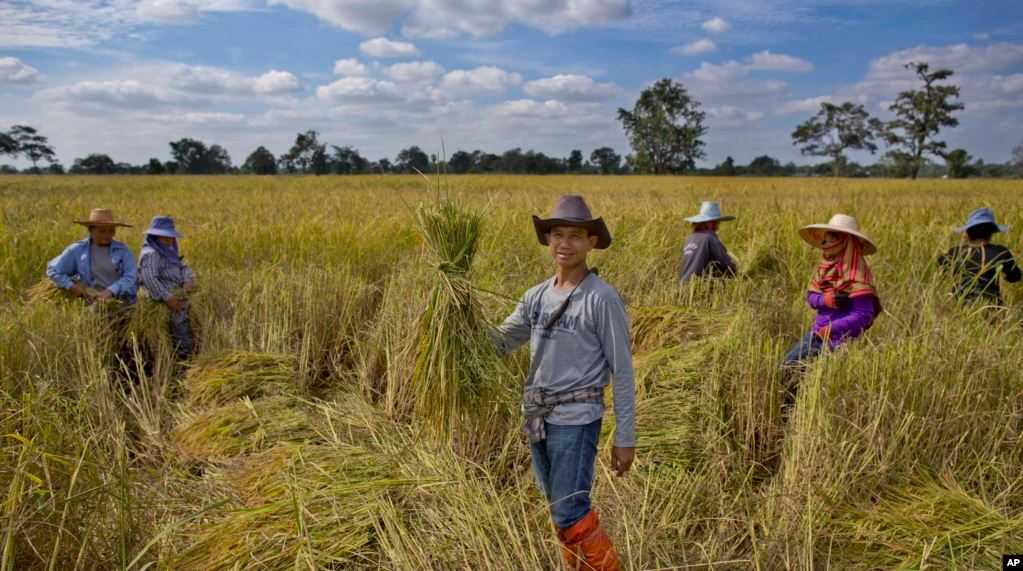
x=537, y=405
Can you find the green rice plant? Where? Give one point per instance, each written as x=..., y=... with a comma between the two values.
x=241, y=427
x=224, y=377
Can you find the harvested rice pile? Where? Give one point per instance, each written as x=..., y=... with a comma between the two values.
x=224, y=377
x=666, y=326
x=242, y=427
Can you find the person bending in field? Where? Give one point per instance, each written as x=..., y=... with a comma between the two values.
x=841, y=291
x=98, y=268
x=168, y=279
x=703, y=254
x=578, y=335
x=976, y=263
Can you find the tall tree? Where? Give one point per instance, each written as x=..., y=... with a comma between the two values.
x=726, y=168
x=155, y=167
x=8, y=146
x=958, y=163
x=34, y=146
x=461, y=162
x=412, y=159
x=765, y=165
x=575, y=161
x=1017, y=159
x=921, y=113
x=320, y=162
x=194, y=157
x=665, y=128
x=836, y=129
x=347, y=160
x=261, y=162
x=302, y=153
x=606, y=159
x=96, y=163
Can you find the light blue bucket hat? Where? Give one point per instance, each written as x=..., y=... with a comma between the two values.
x=981, y=216
x=162, y=226
x=709, y=212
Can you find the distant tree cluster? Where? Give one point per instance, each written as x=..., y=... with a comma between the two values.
x=665, y=128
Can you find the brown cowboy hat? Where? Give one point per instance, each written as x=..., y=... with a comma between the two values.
x=571, y=210
x=101, y=217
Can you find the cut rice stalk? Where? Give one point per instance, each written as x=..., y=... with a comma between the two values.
x=221, y=378
x=242, y=427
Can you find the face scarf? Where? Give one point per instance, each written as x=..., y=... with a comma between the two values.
x=844, y=269
x=168, y=253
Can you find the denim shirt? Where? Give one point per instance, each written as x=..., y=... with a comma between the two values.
x=74, y=264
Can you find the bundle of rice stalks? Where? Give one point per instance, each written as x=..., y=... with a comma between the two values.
x=303, y=507
x=457, y=379
x=242, y=427
x=665, y=326
x=45, y=291
x=220, y=378
x=925, y=525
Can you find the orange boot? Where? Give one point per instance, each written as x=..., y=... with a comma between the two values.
x=586, y=547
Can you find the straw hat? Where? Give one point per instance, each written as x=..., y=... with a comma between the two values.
x=709, y=212
x=571, y=210
x=814, y=233
x=101, y=217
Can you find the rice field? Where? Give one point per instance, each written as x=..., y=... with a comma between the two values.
x=341, y=413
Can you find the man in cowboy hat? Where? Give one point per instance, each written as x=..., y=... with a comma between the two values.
x=977, y=262
x=97, y=268
x=578, y=334
x=703, y=254
x=168, y=279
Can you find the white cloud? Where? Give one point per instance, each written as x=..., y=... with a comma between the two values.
x=358, y=89
x=962, y=58
x=200, y=118
x=571, y=87
x=384, y=48
x=767, y=61
x=808, y=105
x=702, y=46
x=479, y=80
x=13, y=70
x=125, y=93
x=167, y=11
x=1007, y=84
x=212, y=80
x=350, y=66
x=414, y=71
x=716, y=25
x=731, y=116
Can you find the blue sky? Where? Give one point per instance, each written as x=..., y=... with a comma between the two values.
x=124, y=77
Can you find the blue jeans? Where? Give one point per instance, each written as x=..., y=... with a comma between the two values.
x=181, y=334
x=563, y=466
x=807, y=349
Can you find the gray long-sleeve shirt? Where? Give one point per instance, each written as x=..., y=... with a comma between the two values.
x=587, y=347
x=704, y=254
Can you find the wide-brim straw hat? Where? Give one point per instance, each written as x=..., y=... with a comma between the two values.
x=981, y=216
x=571, y=210
x=162, y=226
x=843, y=223
x=101, y=217
x=709, y=212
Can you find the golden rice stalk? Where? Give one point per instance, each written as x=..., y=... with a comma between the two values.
x=457, y=378
x=242, y=427
x=308, y=507
x=224, y=377
x=665, y=326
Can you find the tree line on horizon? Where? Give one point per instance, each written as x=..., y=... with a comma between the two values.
x=665, y=129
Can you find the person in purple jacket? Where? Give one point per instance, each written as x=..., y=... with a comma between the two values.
x=841, y=291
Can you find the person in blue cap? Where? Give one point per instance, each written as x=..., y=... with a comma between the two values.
x=703, y=254
x=168, y=279
x=977, y=263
